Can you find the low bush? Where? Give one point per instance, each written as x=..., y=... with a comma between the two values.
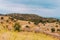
x=52, y=29
x=17, y=27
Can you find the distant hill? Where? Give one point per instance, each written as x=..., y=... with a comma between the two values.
x=57, y=17
x=1, y=15
x=32, y=17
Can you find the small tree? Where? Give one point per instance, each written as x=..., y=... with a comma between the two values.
x=17, y=27
x=52, y=29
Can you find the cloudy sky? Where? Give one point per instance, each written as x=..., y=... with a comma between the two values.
x=47, y=8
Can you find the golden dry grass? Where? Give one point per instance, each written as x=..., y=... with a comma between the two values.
x=7, y=35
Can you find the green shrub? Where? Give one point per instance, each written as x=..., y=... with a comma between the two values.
x=17, y=27
x=36, y=23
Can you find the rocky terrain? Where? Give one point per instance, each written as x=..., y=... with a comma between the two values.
x=30, y=23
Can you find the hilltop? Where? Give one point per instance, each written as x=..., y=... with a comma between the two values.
x=32, y=17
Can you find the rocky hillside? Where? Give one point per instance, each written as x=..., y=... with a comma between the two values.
x=32, y=17
x=30, y=23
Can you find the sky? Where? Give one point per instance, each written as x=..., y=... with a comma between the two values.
x=46, y=8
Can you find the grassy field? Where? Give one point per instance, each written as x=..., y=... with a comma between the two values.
x=7, y=35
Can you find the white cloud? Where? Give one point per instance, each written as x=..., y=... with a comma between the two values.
x=8, y=7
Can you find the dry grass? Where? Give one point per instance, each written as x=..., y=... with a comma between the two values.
x=7, y=35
